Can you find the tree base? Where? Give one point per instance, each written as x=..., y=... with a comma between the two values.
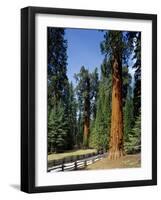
x=114, y=155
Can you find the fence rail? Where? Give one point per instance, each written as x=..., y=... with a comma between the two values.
x=77, y=164
x=69, y=159
x=81, y=161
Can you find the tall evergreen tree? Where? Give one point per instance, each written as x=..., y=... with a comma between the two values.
x=58, y=90
x=126, y=83
x=71, y=117
x=83, y=91
x=57, y=129
x=134, y=136
x=115, y=46
x=94, y=83
x=87, y=84
x=57, y=66
x=133, y=145
x=127, y=102
x=128, y=117
x=137, y=75
x=101, y=126
x=134, y=39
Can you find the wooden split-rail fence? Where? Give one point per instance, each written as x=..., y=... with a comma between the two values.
x=76, y=164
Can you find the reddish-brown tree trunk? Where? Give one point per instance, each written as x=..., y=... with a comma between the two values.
x=86, y=132
x=86, y=127
x=116, y=136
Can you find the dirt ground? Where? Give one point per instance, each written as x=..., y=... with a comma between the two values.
x=128, y=161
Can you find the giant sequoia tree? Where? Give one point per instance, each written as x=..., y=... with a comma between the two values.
x=87, y=84
x=115, y=47
x=83, y=92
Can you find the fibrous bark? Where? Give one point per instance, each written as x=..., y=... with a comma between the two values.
x=86, y=132
x=116, y=135
x=86, y=128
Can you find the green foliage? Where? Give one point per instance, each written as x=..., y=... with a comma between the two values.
x=71, y=117
x=132, y=126
x=57, y=129
x=57, y=62
x=61, y=100
x=86, y=89
x=116, y=45
x=79, y=134
x=128, y=117
x=100, y=128
x=126, y=81
x=85, y=142
x=127, y=102
x=137, y=75
x=133, y=145
x=134, y=41
x=83, y=94
x=94, y=84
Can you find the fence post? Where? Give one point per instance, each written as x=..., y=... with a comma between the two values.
x=63, y=165
x=75, y=165
x=85, y=163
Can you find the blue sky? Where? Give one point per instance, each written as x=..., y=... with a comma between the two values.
x=83, y=49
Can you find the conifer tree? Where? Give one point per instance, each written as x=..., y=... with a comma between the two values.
x=57, y=65
x=137, y=75
x=57, y=129
x=128, y=117
x=133, y=145
x=59, y=92
x=71, y=117
x=115, y=46
x=87, y=84
x=101, y=126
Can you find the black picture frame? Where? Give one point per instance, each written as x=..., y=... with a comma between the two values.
x=28, y=98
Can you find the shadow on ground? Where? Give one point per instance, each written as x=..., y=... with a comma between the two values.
x=15, y=186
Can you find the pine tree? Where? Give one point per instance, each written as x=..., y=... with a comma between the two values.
x=134, y=40
x=128, y=117
x=71, y=117
x=137, y=75
x=101, y=126
x=94, y=84
x=59, y=93
x=133, y=145
x=57, y=129
x=57, y=65
x=126, y=83
x=128, y=102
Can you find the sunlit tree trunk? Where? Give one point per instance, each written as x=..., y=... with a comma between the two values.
x=86, y=128
x=86, y=132
x=116, y=135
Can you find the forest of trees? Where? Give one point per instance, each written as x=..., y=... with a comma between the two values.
x=103, y=110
